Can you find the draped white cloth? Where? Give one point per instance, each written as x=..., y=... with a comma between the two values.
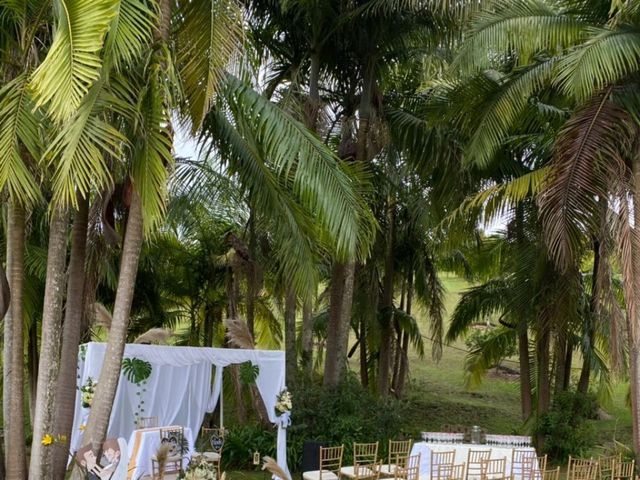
x=179, y=390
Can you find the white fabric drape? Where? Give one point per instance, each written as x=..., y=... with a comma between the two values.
x=179, y=390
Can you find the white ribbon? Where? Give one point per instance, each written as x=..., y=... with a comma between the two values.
x=284, y=419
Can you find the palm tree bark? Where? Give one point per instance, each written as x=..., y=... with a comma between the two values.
x=633, y=310
x=40, y=464
x=404, y=360
x=14, y=421
x=339, y=322
x=544, y=391
x=290, y=334
x=585, y=373
x=98, y=422
x=526, y=400
x=65, y=391
x=252, y=288
x=386, y=331
x=560, y=355
x=32, y=368
x=306, y=339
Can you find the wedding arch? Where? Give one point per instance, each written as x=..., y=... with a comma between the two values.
x=175, y=384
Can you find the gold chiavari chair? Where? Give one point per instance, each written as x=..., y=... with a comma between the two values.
x=623, y=470
x=214, y=438
x=553, y=474
x=474, y=463
x=449, y=472
x=330, y=464
x=363, y=454
x=522, y=464
x=493, y=469
x=399, y=450
x=411, y=469
x=580, y=469
x=441, y=461
x=364, y=471
x=605, y=466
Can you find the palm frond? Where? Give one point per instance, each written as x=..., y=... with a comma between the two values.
x=130, y=31
x=488, y=354
x=19, y=135
x=589, y=156
x=209, y=35
x=73, y=62
x=238, y=333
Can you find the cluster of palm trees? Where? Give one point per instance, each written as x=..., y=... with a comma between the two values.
x=349, y=150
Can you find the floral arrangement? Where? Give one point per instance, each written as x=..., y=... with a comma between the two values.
x=199, y=469
x=284, y=402
x=87, y=391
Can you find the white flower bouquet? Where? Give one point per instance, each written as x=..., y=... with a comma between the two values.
x=87, y=391
x=199, y=469
x=284, y=402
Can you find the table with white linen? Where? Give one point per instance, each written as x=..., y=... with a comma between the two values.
x=144, y=443
x=462, y=451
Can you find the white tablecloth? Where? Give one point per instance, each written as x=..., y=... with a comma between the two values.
x=143, y=444
x=462, y=450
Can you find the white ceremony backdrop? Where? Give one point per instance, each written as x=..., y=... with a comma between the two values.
x=180, y=389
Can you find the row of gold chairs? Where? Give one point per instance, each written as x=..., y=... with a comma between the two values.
x=602, y=468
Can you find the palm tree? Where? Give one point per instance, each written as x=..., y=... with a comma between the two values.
x=588, y=54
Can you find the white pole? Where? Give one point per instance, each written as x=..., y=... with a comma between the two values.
x=221, y=403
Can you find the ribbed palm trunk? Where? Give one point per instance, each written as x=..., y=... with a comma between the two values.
x=65, y=392
x=290, y=334
x=544, y=388
x=306, y=338
x=340, y=306
x=633, y=312
x=98, y=422
x=404, y=360
x=526, y=401
x=40, y=466
x=585, y=373
x=386, y=329
x=14, y=421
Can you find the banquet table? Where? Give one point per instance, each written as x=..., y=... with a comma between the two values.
x=144, y=443
x=462, y=450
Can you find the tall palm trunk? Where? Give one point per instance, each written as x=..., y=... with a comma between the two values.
x=65, y=391
x=404, y=360
x=40, y=464
x=633, y=310
x=544, y=392
x=306, y=338
x=386, y=330
x=585, y=373
x=560, y=354
x=110, y=373
x=526, y=400
x=32, y=368
x=14, y=421
x=252, y=287
x=5, y=300
x=340, y=306
x=290, y=334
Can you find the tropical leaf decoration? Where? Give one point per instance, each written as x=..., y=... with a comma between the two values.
x=248, y=373
x=136, y=370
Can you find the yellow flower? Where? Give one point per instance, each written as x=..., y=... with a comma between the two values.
x=47, y=440
x=82, y=427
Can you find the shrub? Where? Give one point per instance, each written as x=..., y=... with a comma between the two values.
x=343, y=416
x=566, y=427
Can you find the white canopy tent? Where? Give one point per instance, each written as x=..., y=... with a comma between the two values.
x=179, y=390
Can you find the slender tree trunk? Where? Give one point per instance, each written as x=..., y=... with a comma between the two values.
x=386, y=330
x=306, y=339
x=41, y=458
x=339, y=322
x=14, y=421
x=364, y=355
x=5, y=300
x=544, y=391
x=633, y=310
x=585, y=373
x=290, y=335
x=98, y=422
x=560, y=354
x=567, y=367
x=404, y=360
x=526, y=400
x=65, y=391
x=252, y=288
x=32, y=369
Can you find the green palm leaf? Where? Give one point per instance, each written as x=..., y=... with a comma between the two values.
x=130, y=31
x=209, y=35
x=19, y=139
x=73, y=62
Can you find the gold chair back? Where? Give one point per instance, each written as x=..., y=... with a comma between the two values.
x=523, y=464
x=399, y=450
x=493, y=469
x=411, y=469
x=365, y=453
x=369, y=471
x=147, y=422
x=580, y=469
x=623, y=470
x=331, y=459
x=605, y=465
x=553, y=474
x=474, y=462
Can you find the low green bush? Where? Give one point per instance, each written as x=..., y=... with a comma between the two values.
x=343, y=416
x=566, y=428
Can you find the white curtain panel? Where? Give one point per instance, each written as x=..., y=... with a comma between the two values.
x=179, y=390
